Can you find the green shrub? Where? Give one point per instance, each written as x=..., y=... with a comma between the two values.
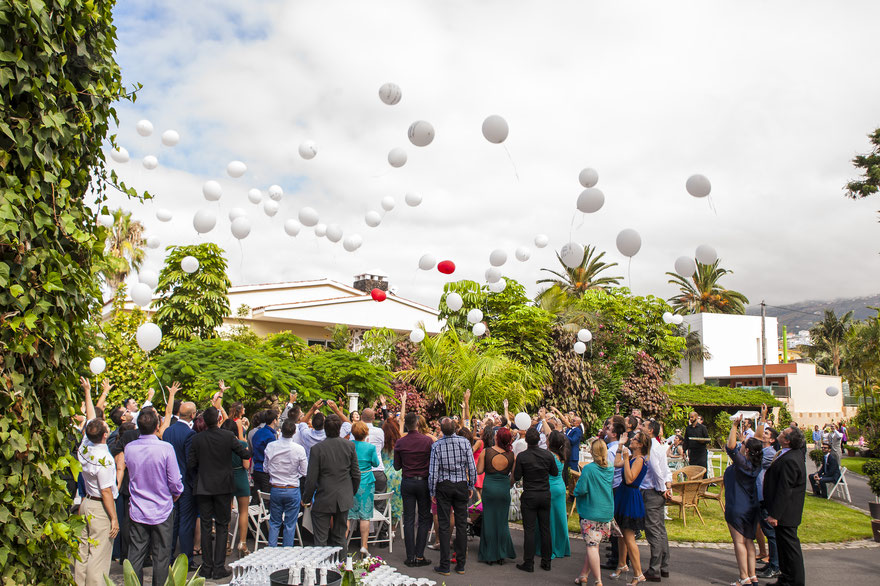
x=817, y=456
x=871, y=467
x=720, y=396
x=874, y=484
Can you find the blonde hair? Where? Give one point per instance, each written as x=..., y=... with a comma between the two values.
x=600, y=452
x=360, y=430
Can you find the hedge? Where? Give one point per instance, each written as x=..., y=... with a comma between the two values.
x=711, y=396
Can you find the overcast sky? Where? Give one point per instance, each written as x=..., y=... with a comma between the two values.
x=769, y=100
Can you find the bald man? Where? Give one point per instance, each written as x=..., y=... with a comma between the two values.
x=377, y=438
x=179, y=435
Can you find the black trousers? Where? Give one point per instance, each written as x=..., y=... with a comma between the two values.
x=415, y=495
x=819, y=483
x=261, y=481
x=536, y=508
x=453, y=496
x=614, y=556
x=791, y=558
x=215, y=511
x=327, y=535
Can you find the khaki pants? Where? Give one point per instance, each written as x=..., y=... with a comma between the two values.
x=95, y=557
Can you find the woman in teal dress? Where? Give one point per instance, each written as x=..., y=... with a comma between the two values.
x=496, y=463
x=368, y=458
x=242, y=492
x=558, y=444
x=391, y=427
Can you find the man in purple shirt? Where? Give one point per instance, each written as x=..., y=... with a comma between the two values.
x=154, y=484
x=412, y=455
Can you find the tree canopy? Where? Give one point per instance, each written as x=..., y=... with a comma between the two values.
x=702, y=293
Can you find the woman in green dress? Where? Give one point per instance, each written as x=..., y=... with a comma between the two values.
x=392, y=433
x=496, y=462
x=242, y=492
x=558, y=444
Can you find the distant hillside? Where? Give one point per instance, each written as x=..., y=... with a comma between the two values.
x=794, y=318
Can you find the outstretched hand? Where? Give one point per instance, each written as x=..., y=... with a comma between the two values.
x=86, y=385
x=175, y=386
x=105, y=385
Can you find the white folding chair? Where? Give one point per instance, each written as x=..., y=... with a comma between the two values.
x=381, y=516
x=844, y=487
x=259, y=516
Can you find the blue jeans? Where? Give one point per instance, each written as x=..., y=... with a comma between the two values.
x=283, y=507
x=770, y=534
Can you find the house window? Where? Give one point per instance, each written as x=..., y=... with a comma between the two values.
x=324, y=343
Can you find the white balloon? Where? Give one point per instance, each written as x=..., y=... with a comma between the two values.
x=120, y=155
x=255, y=196
x=685, y=266
x=189, y=264
x=164, y=215
x=149, y=278
x=352, y=242
x=493, y=274
x=413, y=199
x=308, y=217
x=204, y=220
x=585, y=335
x=479, y=329
x=153, y=242
x=105, y=220
x=170, y=138
x=830, y=391
x=572, y=254
x=454, y=301
x=474, y=316
x=150, y=162
x=270, y=207
x=236, y=213
x=241, y=227
x=677, y=319
x=497, y=257
x=705, y=254
x=388, y=203
x=590, y=200
x=321, y=230
x=292, y=227
x=334, y=233
x=421, y=133
x=698, y=185
x=141, y=294
x=212, y=190
x=236, y=169
x=495, y=129
x=397, y=157
x=97, y=365
x=308, y=150
x=498, y=286
x=541, y=240
x=427, y=262
x=580, y=347
x=144, y=127
x=416, y=336
x=667, y=317
x=390, y=93
x=523, y=253
x=588, y=177
x=522, y=421
x=275, y=192
x=373, y=218
x=148, y=336
x=629, y=242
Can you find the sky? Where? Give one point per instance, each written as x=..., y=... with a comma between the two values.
x=770, y=101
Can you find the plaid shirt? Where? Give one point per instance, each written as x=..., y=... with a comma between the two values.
x=452, y=459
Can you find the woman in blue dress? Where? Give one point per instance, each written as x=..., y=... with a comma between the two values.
x=629, y=508
x=368, y=458
x=557, y=443
x=741, y=510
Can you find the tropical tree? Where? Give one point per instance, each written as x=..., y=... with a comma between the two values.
x=585, y=276
x=191, y=305
x=869, y=183
x=694, y=351
x=828, y=338
x=127, y=367
x=702, y=293
x=124, y=248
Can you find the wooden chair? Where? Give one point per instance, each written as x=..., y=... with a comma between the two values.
x=573, y=476
x=719, y=496
x=691, y=472
x=687, y=497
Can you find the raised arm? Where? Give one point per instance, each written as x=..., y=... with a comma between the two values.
x=762, y=423
x=466, y=409
x=335, y=408
x=734, y=431
x=383, y=405
x=105, y=390
x=90, y=408
x=312, y=410
x=286, y=413
x=561, y=417
x=506, y=403
x=402, y=413
x=169, y=407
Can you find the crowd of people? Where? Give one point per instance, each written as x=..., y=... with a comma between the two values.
x=157, y=485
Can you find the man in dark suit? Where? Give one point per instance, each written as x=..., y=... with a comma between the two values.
x=210, y=458
x=333, y=479
x=785, y=484
x=829, y=471
x=534, y=467
x=179, y=434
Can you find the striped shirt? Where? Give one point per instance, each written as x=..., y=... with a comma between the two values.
x=452, y=459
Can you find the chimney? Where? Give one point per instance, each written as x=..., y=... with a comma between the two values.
x=370, y=280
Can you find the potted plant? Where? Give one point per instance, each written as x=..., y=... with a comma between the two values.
x=176, y=577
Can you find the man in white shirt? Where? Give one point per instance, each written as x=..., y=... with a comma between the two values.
x=286, y=463
x=748, y=432
x=98, y=507
x=132, y=407
x=655, y=487
x=520, y=444
x=377, y=438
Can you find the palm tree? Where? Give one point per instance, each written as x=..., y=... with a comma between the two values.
x=702, y=294
x=585, y=276
x=693, y=350
x=124, y=248
x=829, y=336
x=556, y=301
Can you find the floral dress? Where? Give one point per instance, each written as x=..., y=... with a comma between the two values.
x=393, y=477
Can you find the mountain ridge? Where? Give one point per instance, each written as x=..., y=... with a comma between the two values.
x=803, y=314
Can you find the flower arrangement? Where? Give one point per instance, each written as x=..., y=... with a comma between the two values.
x=364, y=565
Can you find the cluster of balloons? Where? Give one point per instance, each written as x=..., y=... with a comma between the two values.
x=686, y=266
x=584, y=335
x=672, y=318
x=144, y=128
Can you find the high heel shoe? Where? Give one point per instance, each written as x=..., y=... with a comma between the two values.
x=637, y=579
x=619, y=572
x=243, y=549
x=582, y=579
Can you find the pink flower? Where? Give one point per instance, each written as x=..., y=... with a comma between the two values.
x=601, y=354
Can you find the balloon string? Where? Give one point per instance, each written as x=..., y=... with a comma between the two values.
x=512, y=164
x=712, y=205
x=629, y=273
x=164, y=397
x=571, y=228
x=241, y=262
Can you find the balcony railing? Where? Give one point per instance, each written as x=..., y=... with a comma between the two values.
x=776, y=391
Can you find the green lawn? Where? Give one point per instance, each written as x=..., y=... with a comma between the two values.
x=855, y=463
x=823, y=521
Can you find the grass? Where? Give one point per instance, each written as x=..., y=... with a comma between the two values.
x=823, y=521
x=855, y=463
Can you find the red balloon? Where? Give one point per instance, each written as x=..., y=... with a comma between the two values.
x=447, y=267
x=378, y=294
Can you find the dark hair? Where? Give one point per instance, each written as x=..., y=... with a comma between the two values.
x=175, y=408
x=257, y=419
x=270, y=417
x=504, y=421
x=95, y=430
x=558, y=444
x=632, y=422
x=332, y=425
x=318, y=420
x=411, y=421
x=467, y=434
x=211, y=416
x=288, y=428
x=116, y=415
x=392, y=433
x=532, y=436
x=199, y=424
x=127, y=426
x=774, y=433
x=294, y=413
x=796, y=438
x=503, y=439
x=617, y=425
x=447, y=426
x=126, y=402
x=655, y=428
x=236, y=410
x=230, y=425
x=488, y=436
x=99, y=413
x=148, y=421
x=756, y=452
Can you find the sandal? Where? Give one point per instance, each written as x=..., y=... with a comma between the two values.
x=637, y=579
x=619, y=572
x=582, y=579
x=243, y=549
x=742, y=582
x=754, y=580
